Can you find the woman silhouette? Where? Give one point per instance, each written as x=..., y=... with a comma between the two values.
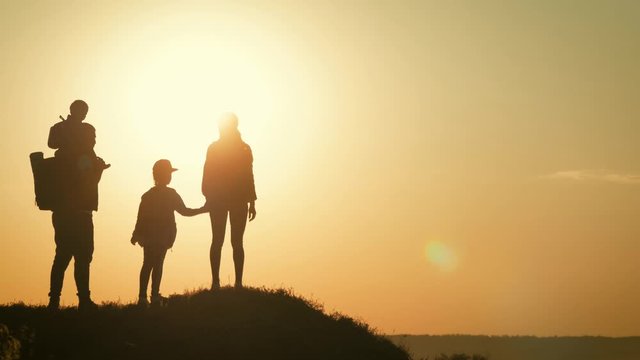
x=227, y=184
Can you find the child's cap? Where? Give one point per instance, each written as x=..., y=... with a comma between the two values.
x=162, y=166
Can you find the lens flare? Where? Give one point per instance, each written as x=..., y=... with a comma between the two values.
x=441, y=256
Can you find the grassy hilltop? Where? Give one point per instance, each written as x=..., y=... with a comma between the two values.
x=228, y=324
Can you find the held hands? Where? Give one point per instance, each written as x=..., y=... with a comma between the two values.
x=252, y=210
x=185, y=211
x=203, y=209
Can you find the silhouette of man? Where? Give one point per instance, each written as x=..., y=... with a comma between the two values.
x=72, y=219
x=228, y=186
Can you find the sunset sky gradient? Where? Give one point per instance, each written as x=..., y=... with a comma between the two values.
x=426, y=166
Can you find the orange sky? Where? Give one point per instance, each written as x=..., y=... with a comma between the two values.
x=429, y=167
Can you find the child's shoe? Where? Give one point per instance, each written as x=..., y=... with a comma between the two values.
x=143, y=302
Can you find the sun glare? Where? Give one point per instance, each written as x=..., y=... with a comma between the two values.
x=177, y=99
x=181, y=76
x=178, y=74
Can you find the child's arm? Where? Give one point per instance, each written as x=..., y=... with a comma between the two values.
x=183, y=210
x=54, y=136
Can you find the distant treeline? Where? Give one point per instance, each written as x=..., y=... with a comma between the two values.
x=522, y=347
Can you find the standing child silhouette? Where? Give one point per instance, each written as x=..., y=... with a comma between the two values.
x=156, y=229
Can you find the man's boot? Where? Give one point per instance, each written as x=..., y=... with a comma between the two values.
x=85, y=302
x=54, y=303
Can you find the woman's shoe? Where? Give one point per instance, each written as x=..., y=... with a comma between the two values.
x=158, y=300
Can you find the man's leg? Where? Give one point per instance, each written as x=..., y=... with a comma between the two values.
x=218, y=217
x=238, y=220
x=60, y=263
x=61, y=259
x=83, y=254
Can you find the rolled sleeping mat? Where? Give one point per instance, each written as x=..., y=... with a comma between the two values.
x=46, y=181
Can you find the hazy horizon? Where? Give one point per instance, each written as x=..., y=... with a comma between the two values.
x=428, y=167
